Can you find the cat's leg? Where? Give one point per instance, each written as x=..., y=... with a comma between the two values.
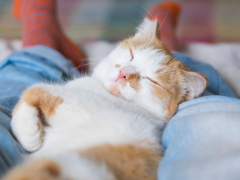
x=35, y=106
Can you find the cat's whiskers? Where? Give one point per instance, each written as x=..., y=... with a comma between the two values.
x=87, y=59
x=82, y=65
x=165, y=18
x=133, y=19
x=145, y=10
x=94, y=57
x=97, y=56
x=152, y=39
x=143, y=16
x=91, y=60
x=148, y=42
x=79, y=67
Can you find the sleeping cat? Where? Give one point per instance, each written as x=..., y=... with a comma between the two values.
x=81, y=131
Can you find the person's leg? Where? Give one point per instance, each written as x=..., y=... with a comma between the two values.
x=41, y=27
x=167, y=15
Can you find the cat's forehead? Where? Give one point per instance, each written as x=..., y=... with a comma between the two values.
x=145, y=55
x=143, y=42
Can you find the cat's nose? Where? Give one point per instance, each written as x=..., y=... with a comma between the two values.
x=123, y=75
x=125, y=72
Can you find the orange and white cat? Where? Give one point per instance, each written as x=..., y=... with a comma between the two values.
x=80, y=131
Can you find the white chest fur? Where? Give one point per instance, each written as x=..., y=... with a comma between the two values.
x=90, y=116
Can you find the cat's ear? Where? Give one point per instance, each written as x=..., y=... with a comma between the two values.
x=193, y=84
x=148, y=28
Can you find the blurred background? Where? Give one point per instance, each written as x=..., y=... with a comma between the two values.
x=87, y=20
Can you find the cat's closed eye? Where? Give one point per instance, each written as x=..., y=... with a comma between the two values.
x=151, y=80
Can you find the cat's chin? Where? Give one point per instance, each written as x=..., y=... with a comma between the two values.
x=114, y=90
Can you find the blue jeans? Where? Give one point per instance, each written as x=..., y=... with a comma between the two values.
x=40, y=63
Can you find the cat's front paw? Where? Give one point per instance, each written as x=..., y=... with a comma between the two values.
x=27, y=127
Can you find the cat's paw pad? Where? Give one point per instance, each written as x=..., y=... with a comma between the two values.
x=27, y=127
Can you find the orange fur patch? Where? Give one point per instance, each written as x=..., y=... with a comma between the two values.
x=41, y=99
x=114, y=91
x=43, y=169
x=171, y=79
x=133, y=80
x=143, y=43
x=123, y=83
x=169, y=93
x=117, y=66
x=167, y=98
x=127, y=162
x=171, y=109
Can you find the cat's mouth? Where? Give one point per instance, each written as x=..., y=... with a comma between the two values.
x=114, y=89
x=117, y=85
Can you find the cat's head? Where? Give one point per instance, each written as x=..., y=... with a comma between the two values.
x=142, y=70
